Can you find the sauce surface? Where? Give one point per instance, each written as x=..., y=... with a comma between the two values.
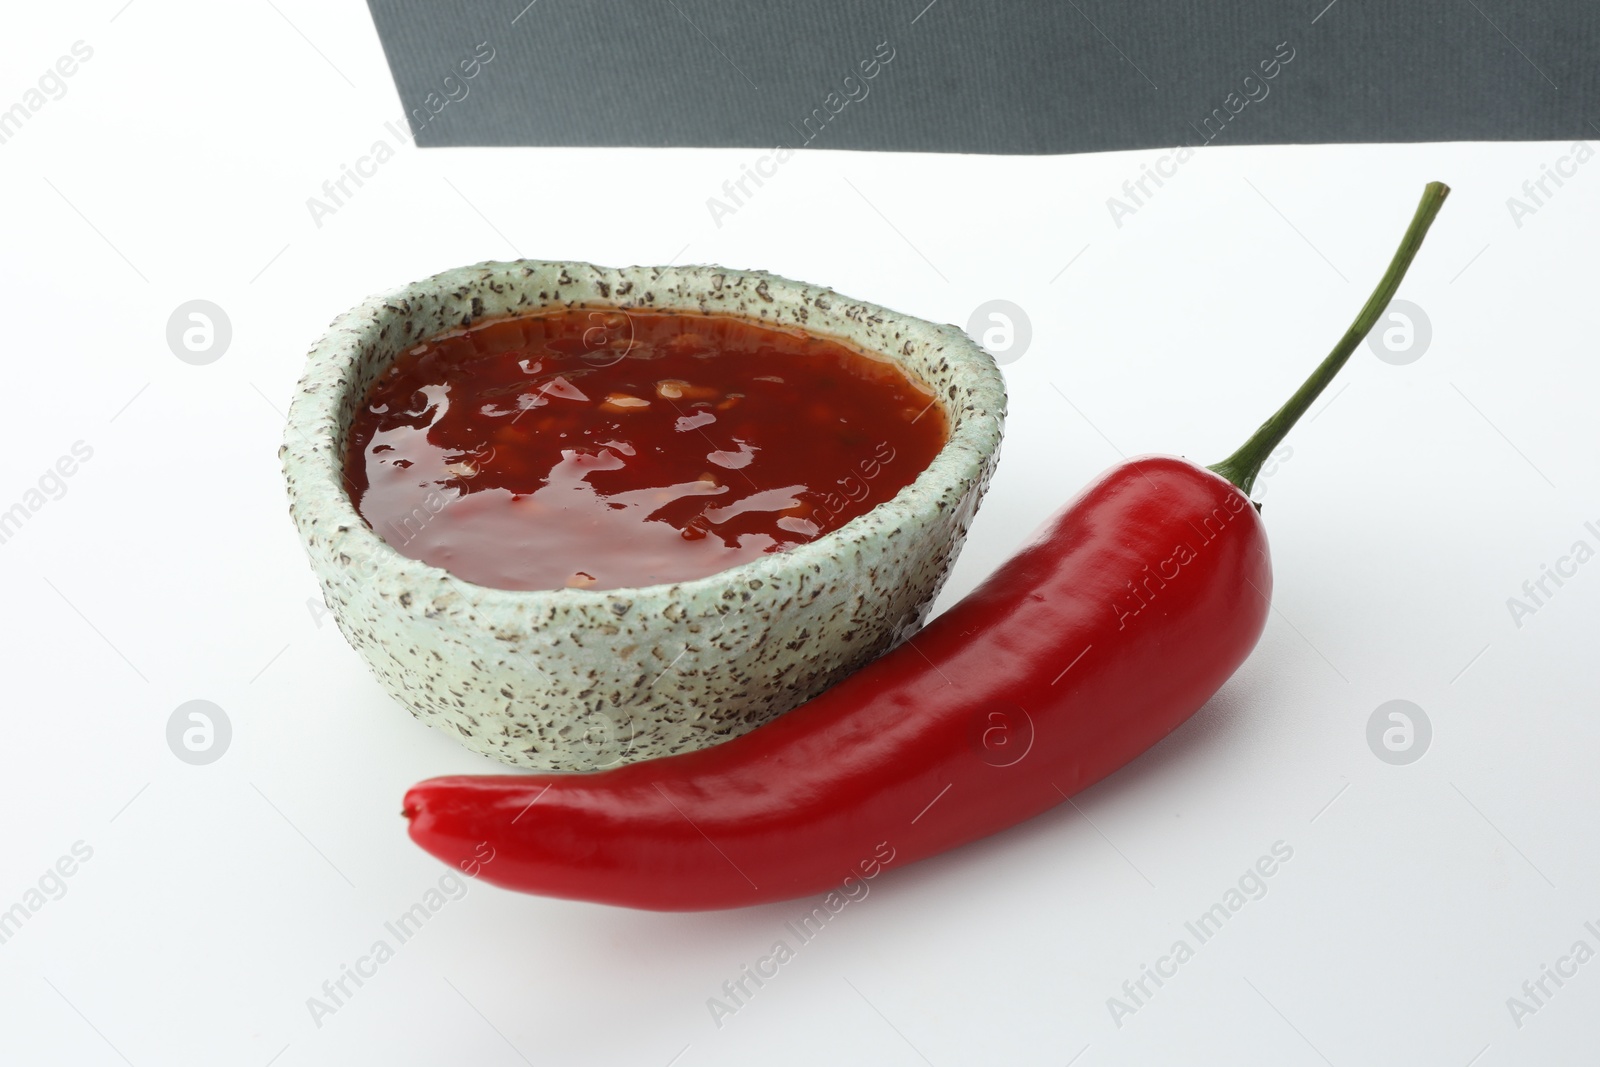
x=601, y=449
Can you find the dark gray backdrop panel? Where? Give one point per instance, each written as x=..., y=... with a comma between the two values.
x=1007, y=76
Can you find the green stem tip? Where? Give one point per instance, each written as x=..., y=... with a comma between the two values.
x=1242, y=467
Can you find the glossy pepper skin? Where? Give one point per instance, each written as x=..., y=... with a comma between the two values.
x=1127, y=611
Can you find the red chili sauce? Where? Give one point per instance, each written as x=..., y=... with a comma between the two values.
x=599, y=449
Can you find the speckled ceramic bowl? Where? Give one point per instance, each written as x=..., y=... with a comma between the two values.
x=574, y=679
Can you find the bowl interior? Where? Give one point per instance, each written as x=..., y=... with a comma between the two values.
x=366, y=341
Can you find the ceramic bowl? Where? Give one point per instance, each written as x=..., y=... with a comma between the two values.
x=576, y=679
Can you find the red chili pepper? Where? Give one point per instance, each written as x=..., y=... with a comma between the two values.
x=1117, y=622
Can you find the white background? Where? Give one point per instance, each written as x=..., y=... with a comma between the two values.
x=219, y=898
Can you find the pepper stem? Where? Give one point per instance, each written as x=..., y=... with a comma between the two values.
x=1242, y=467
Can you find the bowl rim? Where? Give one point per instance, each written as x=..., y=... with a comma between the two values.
x=320, y=499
